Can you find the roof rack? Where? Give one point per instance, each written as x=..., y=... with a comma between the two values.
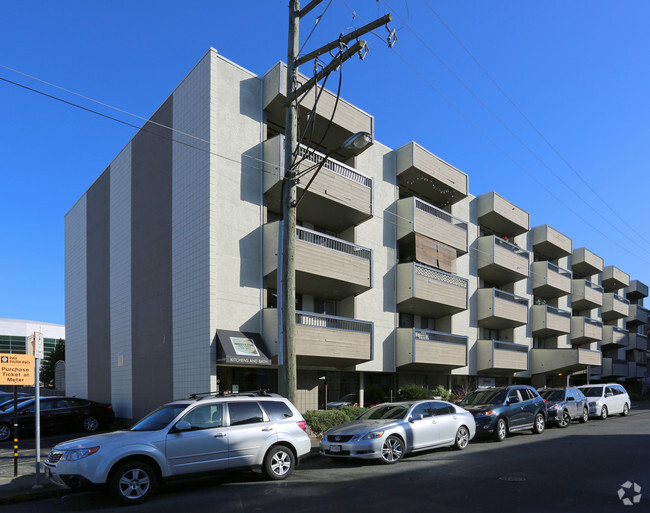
x=262, y=392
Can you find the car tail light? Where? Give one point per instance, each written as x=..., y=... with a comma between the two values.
x=109, y=407
x=302, y=425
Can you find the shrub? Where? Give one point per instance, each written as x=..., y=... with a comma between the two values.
x=352, y=412
x=320, y=421
x=442, y=392
x=413, y=393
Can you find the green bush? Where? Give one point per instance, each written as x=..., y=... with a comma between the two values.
x=352, y=412
x=442, y=392
x=413, y=393
x=320, y=421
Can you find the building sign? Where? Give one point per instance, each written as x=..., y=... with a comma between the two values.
x=244, y=346
x=237, y=348
x=17, y=369
x=484, y=382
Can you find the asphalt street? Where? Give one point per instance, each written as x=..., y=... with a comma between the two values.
x=581, y=468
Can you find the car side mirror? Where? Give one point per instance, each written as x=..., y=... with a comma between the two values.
x=182, y=425
x=609, y=394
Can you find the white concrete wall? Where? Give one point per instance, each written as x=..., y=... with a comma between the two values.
x=76, y=349
x=192, y=335
x=120, y=284
x=22, y=328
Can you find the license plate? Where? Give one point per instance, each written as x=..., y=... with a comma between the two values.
x=335, y=448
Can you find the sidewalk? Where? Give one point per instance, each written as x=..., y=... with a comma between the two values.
x=21, y=488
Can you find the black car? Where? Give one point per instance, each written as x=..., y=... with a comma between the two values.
x=502, y=410
x=57, y=414
x=564, y=405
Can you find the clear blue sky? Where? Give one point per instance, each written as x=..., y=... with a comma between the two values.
x=578, y=70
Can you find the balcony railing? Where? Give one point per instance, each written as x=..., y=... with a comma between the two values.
x=440, y=214
x=430, y=350
x=511, y=247
x=333, y=323
x=615, y=336
x=334, y=165
x=423, y=290
x=503, y=358
x=500, y=261
x=498, y=309
x=436, y=274
x=329, y=242
x=502, y=294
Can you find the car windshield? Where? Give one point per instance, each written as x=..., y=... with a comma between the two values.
x=21, y=405
x=10, y=404
x=592, y=391
x=160, y=418
x=385, y=411
x=552, y=395
x=484, y=397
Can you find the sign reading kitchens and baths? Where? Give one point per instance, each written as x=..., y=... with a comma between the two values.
x=17, y=369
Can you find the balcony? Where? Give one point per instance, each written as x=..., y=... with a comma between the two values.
x=501, y=262
x=416, y=217
x=614, y=279
x=637, y=290
x=550, y=281
x=346, y=121
x=586, y=295
x=544, y=361
x=430, y=350
x=637, y=342
x=637, y=370
x=501, y=217
x=585, y=330
x=498, y=309
x=638, y=316
x=420, y=173
x=500, y=358
x=585, y=264
x=614, y=307
x=613, y=368
x=340, y=197
x=549, y=321
x=422, y=290
x=325, y=266
x=613, y=336
x=323, y=340
x=550, y=244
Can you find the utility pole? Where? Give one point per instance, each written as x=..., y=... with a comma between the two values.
x=287, y=269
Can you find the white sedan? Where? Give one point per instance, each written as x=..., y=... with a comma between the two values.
x=391, y=430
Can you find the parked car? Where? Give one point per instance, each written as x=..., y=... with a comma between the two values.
x=196, y=435
x=9, y=404
x=6, y=396
x=502, y=410
x=391, y=430
x=605, y=399
x=346, y=400
x=564, y=405
x=57, y=414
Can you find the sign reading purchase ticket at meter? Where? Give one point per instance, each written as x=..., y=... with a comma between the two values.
x=17, y=369
x=240, y=348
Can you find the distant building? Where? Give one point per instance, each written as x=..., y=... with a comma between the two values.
x=402, y=276
x=14, y=333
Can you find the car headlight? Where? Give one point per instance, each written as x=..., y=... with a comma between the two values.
x=554, y=407
x=485, y=413
x=77, y=454
x=373, y=435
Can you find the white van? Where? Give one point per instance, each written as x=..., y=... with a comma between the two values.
x=605, y=399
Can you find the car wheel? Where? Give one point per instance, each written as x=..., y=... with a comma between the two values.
x=132, y=482
x=540, y=423
x=462, y=438
x=565, y=420
x=90, y=424
x=392, y=450
x=279, y=462
x=626, y=410
x=585, y=415
x=501, y=430
x=603, y=413
x=5, y=432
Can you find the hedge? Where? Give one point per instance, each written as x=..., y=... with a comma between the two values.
x=320, y=421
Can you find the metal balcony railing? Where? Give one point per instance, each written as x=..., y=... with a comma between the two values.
x=593, y=322
x=509, y=346
x=329, y=242
x=435, y=274
x=502, y=294
x=559, y=270
x=510, y=247
x=440, y=214
x=334, y=165
x=558, y=311
x=621, y=299
x=437, y=336
x=593, y=286
x=331, y=322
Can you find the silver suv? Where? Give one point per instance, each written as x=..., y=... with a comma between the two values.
x=605, y=399
x=202, y=434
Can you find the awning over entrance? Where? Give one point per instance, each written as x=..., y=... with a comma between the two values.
x=237, y=348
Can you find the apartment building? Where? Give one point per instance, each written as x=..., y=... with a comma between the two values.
x=402, y=275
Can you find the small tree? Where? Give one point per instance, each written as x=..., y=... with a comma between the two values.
x=413, y=393
x=49, y=363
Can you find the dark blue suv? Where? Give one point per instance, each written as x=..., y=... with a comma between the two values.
x=502, y=410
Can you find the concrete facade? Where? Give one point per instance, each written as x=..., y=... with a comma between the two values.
x=172, y=243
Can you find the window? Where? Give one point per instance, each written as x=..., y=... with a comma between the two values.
x=406, y=320
x=245, y=413
x=442, y=408
x=513, y=397
x=423, y=409
x=276, y=410
x=205, y=416
x=569, y=396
